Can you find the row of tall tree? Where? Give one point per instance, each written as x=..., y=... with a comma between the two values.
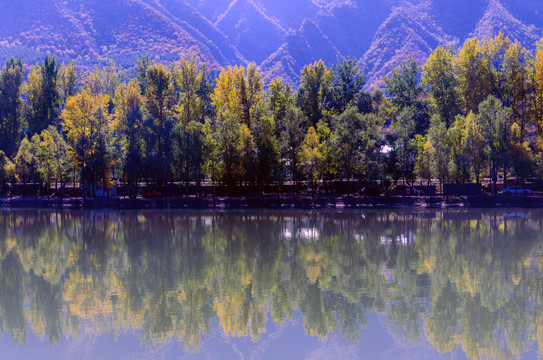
x=465, y=115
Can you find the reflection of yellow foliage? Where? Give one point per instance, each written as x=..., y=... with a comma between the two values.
x=539, y=334
x=237, y=316
x=50, y=259
x=443, y=344
x=312, y=263
x=229, y=314
x=517, y=277
x=95, y=299
x=426, y=264
x=469, y=283
x=7, y=246
x=141, y=219
x=246, y=278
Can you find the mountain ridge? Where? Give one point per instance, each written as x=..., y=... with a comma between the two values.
x=279, y=35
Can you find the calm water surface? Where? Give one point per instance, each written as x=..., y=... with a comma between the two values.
x=271, y=284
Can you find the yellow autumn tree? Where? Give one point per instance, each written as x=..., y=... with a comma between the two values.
x=310, y=154
x=474, y=74
x=187, y=75
x=85, y=121
x=537, y=96
x=239, y=91
x=442, y=84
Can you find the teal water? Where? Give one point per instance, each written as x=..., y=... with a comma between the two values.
x=262, y=284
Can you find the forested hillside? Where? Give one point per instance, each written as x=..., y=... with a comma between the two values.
x=468, y=115
x=280, y=36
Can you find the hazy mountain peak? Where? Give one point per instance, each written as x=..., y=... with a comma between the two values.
x=253, y=32
x=408, y=32
x=306, y=45
x=290, y=14
x=497, y=18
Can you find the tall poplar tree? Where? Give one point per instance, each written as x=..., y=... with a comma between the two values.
x=11, y=80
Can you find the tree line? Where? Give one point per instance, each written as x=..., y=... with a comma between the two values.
x=465, y=115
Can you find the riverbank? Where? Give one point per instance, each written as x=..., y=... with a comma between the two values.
x=276, y=202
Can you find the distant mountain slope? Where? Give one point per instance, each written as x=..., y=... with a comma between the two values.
x=281, y=35
x=94, y=30
x=498, y=19
x=408, y=32
x=199, y=27
x=288, y=13
x=251, y=30
x=457, y=18
x=350, y=25
x=303, y=47
x=527, y=11
x=44, y=26
x=211, y=9
x=126, y=28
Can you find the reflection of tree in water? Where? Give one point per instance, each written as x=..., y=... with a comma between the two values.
x=468, y=280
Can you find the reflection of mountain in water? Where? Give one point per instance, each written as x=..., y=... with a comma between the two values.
x=463, y=280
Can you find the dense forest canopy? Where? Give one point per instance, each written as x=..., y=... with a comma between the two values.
x=465, y=115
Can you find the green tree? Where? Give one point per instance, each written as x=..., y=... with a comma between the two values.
x=159, y=104
x=474, y=143
x=191, y=145
x=41, y=90
x=517, y=87
x=205, y=92
x=313, y=90
x=11, y=79
x=440, y=78
x=520, y=153
x=291, y=139
x=229, y=146
x=142, y=65
x=67, y=82
x=187, y=78
x=327, y=141
x=252, y=92
x=459, y=165
x=346, y=85
x=266, y=146
x=101, y=164
x=310, y=155
x=356, y=142
x=7, y=171
x=404, y=146
x=475, y=78
x=51, y=152
x=492, y=120
x=437, y=134
x=405, y=89
x=423, y=166
x=49, y=108
x=279, y=100
x=26, y=166
x=248, y=154
x=128, y=128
